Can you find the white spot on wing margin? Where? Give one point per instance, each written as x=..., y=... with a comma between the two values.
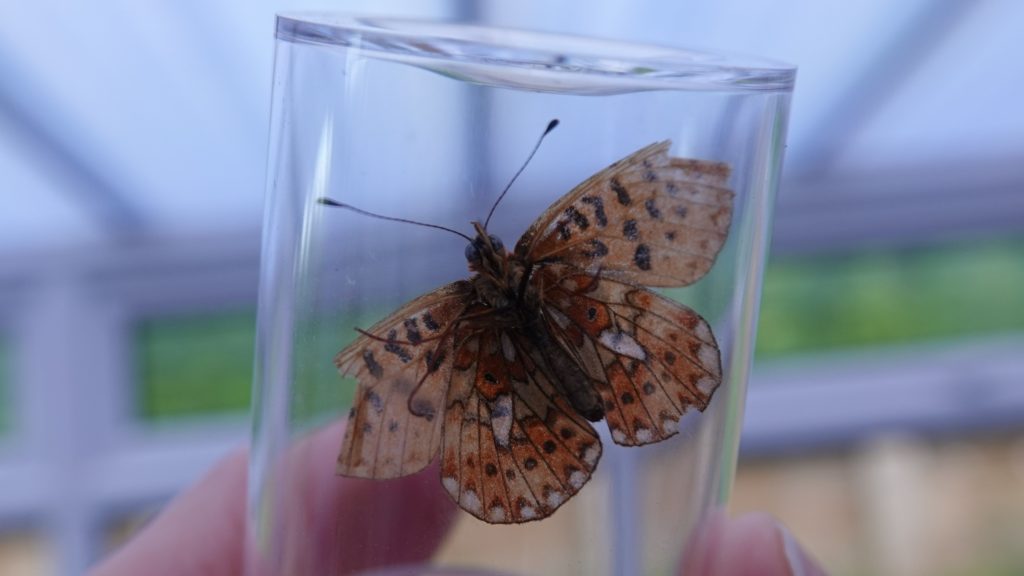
x=497, y=514
x=450, y=484
x=470, y=501
x=555, y=498
x=708, y=357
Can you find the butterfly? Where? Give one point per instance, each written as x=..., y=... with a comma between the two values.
x=503, y=373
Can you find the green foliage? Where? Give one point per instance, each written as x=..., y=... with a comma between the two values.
x=192, y=365
x=202, y=363
x=318, y=393
x=892, y=297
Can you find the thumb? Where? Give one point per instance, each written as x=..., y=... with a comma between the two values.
x=753, y=544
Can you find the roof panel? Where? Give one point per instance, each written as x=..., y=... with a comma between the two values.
x=44, y=213
x=169, y=102
x=962, y=104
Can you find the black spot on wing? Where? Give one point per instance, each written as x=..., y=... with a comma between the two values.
x=395, y=348
x=433, y=362
x=598, y=249
x=375, y=401
x=563, y=230
x=630, y=230
x=652, y=208
x=598, y=204
x=577, y=217
x=642, y=257
x=412, y=333
x=430, y=323
x=372, y=365
x=620, y=192
x=422, y=408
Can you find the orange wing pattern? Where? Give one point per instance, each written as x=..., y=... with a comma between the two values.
x=650, y=358
x=513, y=450
x=402, y=367
x=647, y=219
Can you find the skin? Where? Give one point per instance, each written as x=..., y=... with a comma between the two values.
x=208, y=521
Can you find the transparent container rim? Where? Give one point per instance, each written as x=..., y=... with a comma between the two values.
x=570, y=63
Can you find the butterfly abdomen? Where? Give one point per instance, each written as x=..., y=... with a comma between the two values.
x=569, y=377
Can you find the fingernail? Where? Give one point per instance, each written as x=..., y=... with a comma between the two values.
x=800, y=564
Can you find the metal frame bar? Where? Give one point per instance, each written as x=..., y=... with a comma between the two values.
x=845, y=398
x=77, y=456
x=900, y=207
x=64, y=146
x=892, y=65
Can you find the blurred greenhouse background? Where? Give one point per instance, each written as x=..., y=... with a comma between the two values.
x=885, y=422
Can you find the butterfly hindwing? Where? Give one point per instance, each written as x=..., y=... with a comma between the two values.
x=650, y=358
x=401, y=368
x=513, y=450
x=649, y=219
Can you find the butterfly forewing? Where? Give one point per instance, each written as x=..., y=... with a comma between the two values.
x=648, y=219
x=402, y=370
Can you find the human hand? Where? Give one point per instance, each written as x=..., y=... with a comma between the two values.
x=202, y=532
x=753, y=544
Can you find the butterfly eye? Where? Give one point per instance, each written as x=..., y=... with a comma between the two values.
x=472, y=252
x=496, y=242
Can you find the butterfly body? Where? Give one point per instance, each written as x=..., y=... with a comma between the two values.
x=503, y=286
x=503, y=373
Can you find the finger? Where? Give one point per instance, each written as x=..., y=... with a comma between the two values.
x=320, y=523
x=753, y=544
x=198, y=533
x=342, y=525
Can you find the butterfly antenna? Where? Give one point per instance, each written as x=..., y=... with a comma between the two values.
x=328, y=202
x=551, y=126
